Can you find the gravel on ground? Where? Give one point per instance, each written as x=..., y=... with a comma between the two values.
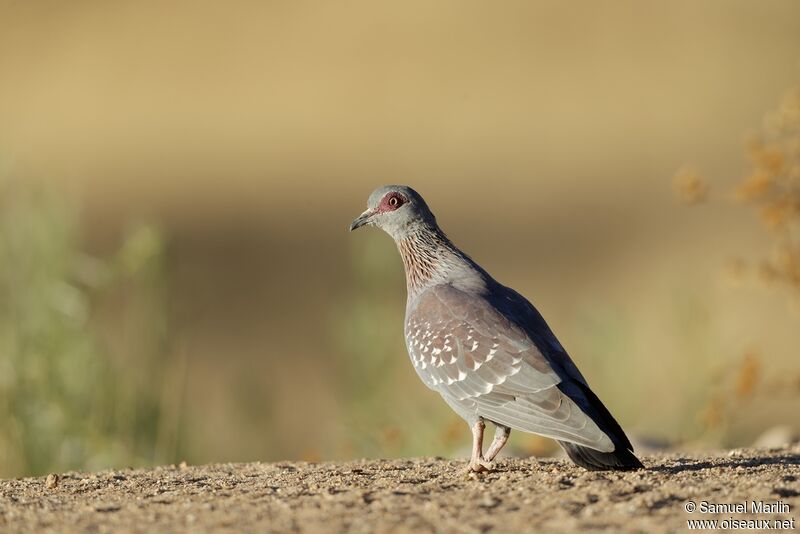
x=411, y=495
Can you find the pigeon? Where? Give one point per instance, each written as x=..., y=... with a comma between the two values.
x=486, y=350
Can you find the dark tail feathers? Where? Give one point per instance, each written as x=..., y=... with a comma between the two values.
x=622, y=457
x=601, y=461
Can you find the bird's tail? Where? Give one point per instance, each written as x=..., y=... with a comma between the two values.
x=621, y=457
x=593, y=460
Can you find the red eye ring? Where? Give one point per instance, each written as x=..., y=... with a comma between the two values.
x=392, y=201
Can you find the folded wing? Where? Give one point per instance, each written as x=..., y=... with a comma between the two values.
x=485, y=365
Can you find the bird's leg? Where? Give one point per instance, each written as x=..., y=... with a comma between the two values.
x=501, y=434
x=477, y=463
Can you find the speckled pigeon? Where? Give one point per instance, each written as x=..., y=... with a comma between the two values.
x=486, y=350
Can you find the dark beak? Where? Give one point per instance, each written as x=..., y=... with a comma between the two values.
x=361, y=220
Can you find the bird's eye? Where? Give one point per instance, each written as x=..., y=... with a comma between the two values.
x=392, y=201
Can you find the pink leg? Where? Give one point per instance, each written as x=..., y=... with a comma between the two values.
x=477, y=463
x=500, y=438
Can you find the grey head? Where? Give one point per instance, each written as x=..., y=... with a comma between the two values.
x=397, y=210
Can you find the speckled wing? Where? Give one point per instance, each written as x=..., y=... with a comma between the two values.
x=485, y=365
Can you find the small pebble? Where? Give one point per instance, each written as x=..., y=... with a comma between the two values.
x=51, y=482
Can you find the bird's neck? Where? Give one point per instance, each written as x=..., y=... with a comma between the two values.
x=429, y=258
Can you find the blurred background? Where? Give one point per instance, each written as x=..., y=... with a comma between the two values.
x=177, y=282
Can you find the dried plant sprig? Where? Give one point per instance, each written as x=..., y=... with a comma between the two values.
x=772, y=189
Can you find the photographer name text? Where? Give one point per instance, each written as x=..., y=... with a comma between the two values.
x=744, y=507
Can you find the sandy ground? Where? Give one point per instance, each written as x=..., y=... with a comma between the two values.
x=419, y=495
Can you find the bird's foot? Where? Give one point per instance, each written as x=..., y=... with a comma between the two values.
x=478, y=465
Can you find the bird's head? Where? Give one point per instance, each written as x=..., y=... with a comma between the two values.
x=395, y=209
